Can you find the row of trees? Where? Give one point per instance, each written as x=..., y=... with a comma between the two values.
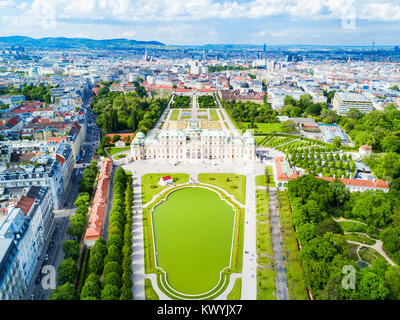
x=207, y=102
x=181, y=102
x=112, y=259
x=68, y=270
x=324, y=248
x=251, y=112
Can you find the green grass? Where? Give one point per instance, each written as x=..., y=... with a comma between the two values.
x=112, y=151
x=236, y=292
x=353, y=251
x=369, y=255
x=349, y=226
x=174, y=115
x=120, y=156
x=149, y=292
x=264, y=127
x=266, y=284
x=261, y=181
x=150, y=186
x=193, y=238
x=149, y=249
x=232, y=183
x=294, y=274
x=359, y=238
x=214, y=115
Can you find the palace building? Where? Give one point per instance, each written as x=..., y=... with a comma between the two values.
x=193, y=144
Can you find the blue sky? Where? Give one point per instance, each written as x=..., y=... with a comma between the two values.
x=197, y=22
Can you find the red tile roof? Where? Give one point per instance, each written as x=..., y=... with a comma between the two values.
x=99, y=205
x=25, y=204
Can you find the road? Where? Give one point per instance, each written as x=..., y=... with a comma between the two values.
x=57, y=235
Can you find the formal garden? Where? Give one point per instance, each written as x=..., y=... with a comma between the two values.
x=213, y=227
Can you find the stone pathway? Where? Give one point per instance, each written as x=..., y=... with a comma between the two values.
x=281, y=287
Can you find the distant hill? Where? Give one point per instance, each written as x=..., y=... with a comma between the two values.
x=62, y=43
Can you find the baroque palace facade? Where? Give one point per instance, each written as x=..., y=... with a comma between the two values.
x=193, y=144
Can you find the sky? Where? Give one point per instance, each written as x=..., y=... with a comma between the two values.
x=199, y=22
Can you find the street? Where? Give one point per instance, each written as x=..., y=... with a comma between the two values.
x=52, y=253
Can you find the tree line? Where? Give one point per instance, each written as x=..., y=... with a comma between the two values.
x=67, y=271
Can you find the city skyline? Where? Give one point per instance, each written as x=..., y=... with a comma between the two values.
x=200, y=22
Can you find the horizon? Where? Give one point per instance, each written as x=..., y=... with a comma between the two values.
x=207, y=44
x=201, y=22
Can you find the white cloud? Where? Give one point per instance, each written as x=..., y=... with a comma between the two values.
x=187, y=11
x=7, y=4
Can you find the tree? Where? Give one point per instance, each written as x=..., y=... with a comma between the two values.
x=90, y=289
x=77, y=225
x=67, y=271
x=110, y=292
x=112, y=278
x=71, y=249
x=370, y=286
x=112, y=267
x=63, y=292
x=391, y=144
x=83, y=199
x=328, y=225
x=337, y=142
x=116, y=138
x=96, y=262
x=391, y=239
x=99, y=246
x=126, y=293
x=392, y=281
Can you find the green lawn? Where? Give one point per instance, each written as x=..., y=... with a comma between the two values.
x=214, y=115
x=120, y=156
x=261, y=180
x=236, y=292
x=297, y=287
x=264, y=127
x=150, y=186
x=266, y=284
x=232, y=183
x=174, y=115
x=349, y=226
x=193, y=232
x=369, y=255
x=359, y=238
x=112, y=151
x=149, y=292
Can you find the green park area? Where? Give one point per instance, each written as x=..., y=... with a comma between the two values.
x=236, y=292
x=266, y=289
x=232, y=183
x=112, y=151
x=174, y=115
x=193, y=232
x=214, y=115
x=150, y=186
x=262, y=180
x=297, y=287
x=263, y=127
